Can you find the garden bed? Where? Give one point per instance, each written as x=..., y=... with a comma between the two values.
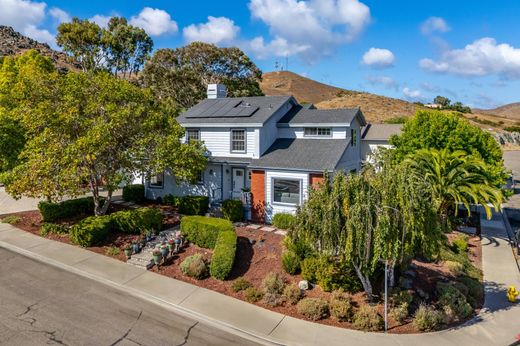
x=258, y=254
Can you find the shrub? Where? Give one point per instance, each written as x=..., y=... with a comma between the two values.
x=455, y=268
x=313, y=308
x=253, y=295
x=136, y=220
x=223, y=255
x=427, y=318
x=475, y=288
x=272, y=286
x=91, y=230
x=11, y=219
x=112, y=251
x=367, y=319
x=52, y=212
x=133, y=193
x=194, y=205
x=301, y=248
x=203, y=231
x=399, y=313
x=291, y=262
x=340, y=306
x=240, y=284
x=400, y=297
x=48, y=228
x=172, y=200
x=284, y=220
x=453, y=301
x=292, y=294
x=330, y=274
x=460, y=244
x=233, y=210
x=194, y=266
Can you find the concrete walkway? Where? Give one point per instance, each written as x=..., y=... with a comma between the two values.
x=498, y=324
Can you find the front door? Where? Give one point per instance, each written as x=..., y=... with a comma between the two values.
x=239, y=182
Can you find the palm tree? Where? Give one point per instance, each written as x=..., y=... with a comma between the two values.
x=456, y=178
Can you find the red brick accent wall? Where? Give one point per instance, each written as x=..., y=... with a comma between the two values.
x=315, y=179
x=258, y=195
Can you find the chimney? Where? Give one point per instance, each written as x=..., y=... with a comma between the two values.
x=216, y=91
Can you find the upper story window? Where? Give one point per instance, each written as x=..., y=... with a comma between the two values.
x=353, y=137
x=192, y=135
x=238, y=141
x=317, y=131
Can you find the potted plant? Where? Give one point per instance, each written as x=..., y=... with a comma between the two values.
x=135, y=246
x=164, y=249
x=128, y=250
x=157, y=256
x=171, y=245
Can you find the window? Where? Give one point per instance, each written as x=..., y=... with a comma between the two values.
x=317, y=131
x=200, y=178
x=192, y=135
x=353, y=137
x=157, y=180
x=286, y=191
x=238, y=141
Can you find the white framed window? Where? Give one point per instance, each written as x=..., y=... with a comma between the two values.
x=353, y=137
x=200, y=178
x=192, y=135
x=286, y=191
x=317, y=131
x=238, y=141
x=157, y=180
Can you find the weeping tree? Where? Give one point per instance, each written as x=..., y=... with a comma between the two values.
x=381, y=214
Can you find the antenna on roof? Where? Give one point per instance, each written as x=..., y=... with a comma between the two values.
x=287, y=61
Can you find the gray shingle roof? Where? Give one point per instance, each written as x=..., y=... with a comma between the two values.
x=381, y=132
x=300, y=115
x=240, y=110
x=303, y=154
x=229, y=159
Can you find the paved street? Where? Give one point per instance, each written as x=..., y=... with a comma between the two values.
x=40, y=305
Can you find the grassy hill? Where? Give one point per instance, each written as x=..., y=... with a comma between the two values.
x=510, y=111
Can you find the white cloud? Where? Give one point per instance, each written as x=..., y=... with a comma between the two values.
x=100, y=20
x=59, y=15
x=411, y=94
x=387, y=82
x=430, y=88
x=318, y=25
x=480, y=58
x=155, y=22
x=378, y=58
x=434, y=24
x=218, y=30
x=277, y=47
x=41, y=35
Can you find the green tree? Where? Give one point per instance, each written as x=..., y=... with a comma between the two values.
x=82, y=39
x=443, y=101
x=91, y=130
x=180, y=76
x=455, y=178
x=439, y=130
x=125, y=47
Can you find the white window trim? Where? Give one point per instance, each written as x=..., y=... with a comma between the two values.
x=231, y=141
x=300, y=181
x=317, y=130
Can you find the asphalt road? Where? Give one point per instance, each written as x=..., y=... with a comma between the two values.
x=44, y=305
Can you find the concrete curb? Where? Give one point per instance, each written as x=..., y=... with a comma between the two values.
x=264, y=340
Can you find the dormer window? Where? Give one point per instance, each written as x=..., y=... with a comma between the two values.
x=317, y=131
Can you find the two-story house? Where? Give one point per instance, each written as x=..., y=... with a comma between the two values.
x=269, y=145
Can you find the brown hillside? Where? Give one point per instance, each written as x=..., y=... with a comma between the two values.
x=511, y=111
x=14, y=43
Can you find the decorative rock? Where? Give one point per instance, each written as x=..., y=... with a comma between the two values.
x=253, y=226
x=303, y=285
x=268, y=229
x=280, y=232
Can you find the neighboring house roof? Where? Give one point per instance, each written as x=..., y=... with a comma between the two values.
x=381, y=132
x=303, y=154
x=302, y=115
x=235, y=110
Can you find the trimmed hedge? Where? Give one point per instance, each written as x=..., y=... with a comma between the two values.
x=91, y=230
x=203, y=231
x=172, y=200
x=223, y=255
x=134, y=221
x=233, y=210
x=133, y=193
x=52, y=212
x=194, y=205
x=284, y=220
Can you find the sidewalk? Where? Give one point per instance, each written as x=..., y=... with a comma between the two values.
x=498, y=324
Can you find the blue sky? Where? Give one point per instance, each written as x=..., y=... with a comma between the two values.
x=414, y=50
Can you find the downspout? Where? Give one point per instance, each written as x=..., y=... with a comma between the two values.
x=222, y=182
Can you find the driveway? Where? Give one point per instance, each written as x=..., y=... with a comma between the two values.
x=44, y=305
